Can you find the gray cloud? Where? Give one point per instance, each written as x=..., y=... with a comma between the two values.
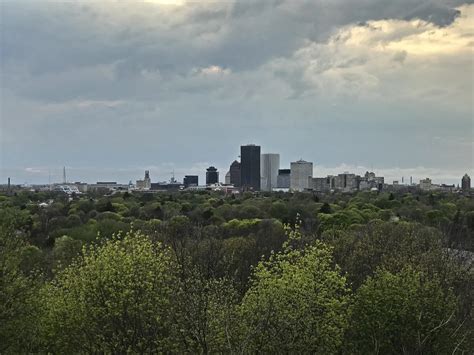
x=95, y=82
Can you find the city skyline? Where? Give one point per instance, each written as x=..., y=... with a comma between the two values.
x=110, y=89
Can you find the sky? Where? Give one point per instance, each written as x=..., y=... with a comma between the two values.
x=111, y=88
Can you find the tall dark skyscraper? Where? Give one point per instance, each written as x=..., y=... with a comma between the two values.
x=212, y=176
x=250, y=167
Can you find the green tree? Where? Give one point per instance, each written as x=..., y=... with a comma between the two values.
x=407, y=313
x=18, y=291
x=297, y=302
x=116, y=298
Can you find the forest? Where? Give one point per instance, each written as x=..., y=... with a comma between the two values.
x=204, y=272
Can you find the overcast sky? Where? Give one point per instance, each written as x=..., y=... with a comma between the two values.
x=111, y=88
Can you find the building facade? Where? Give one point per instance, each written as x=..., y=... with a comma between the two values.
x=269, y=166
x=283, y=178
x=212, y=176
x=191, y=180
x=466, y=183
x=320, y=184
x=250, y=167
x=346, y=182
x=301, y=171
x=425, y=184
x=235, y=174
x=144, y=184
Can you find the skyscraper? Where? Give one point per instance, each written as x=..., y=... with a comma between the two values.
x=466, y=183
x=250, y=167
x=235, y=173
x=269, y=166
x=212, y=176
x=300, y=172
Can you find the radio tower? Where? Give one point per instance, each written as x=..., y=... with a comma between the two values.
x=64, y=175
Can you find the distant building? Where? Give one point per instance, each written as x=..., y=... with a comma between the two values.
x=425, y=184
x=283, y=178
x=235, y=174
x=269, y=166
x=466, y=183
x=227, y=178
x=320, y=184
x=250, y=167
x=301, y=171
x=212, y=176
x=369, y=182
x=346, y=182
x=191, y=180
x=144, y=184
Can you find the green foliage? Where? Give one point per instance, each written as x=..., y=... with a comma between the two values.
x=18, y=289
x=116, y=298
x=406, y=312
x=212, y=273
x=297, y=302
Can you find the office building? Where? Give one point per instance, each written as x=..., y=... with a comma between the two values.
x=191, y=180
x=234, y=172
x=283, y=178
x=425, y=184
x=212, y=176
x=466, y=183
x=269, y=166
x=320, y=184
x=301, y=171
x=346, y=182
x=250, y=167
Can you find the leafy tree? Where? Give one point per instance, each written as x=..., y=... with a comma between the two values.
x=297, y=302
x=405, y=312
x=65, y=250
x=115, y=299
x=18, y=291
x=325, y=208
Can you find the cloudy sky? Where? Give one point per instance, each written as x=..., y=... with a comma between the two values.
x=111, y=88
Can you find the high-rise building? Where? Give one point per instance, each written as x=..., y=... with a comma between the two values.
x=269, y=166
x=250, y=167
x=227, y=178
x=283, y=179
x=300, y=172
x=191, y=180
x=466, y=183
x=212, y=176
x=235, y=173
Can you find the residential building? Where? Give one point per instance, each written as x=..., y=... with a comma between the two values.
x=250, y=167
x=269, y=166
